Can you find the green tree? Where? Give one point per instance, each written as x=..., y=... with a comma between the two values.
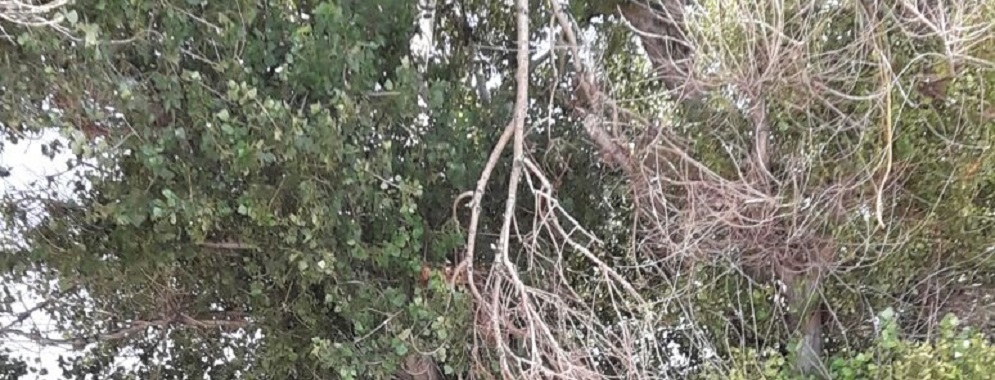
x=288, y=182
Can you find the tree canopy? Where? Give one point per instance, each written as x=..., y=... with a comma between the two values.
x=346, y=189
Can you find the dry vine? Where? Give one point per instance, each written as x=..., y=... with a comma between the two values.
x=769, y=224
x=32, y=14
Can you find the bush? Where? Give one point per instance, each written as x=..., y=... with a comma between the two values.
x=957, y=353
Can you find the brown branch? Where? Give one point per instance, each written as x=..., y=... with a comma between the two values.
x=80, y=342
x=518, y=123
x=467, y=263
x=660, y=27
x=590, y=96
x=214, y=323
x=518, y=149
x=228, y=245
x=32, y=14
x=21, y=317
x=182, y=321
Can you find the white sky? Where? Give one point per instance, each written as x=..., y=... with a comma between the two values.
x=28, y=170
x=27, y=164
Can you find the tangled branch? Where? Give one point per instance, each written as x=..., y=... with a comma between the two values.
x=765, y=209
x=30, y=14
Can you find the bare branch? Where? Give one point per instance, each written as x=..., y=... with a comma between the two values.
x=228, y=245
x=29, y=14
x=181, y=320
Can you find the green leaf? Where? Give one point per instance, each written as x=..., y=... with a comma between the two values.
x=72, y=17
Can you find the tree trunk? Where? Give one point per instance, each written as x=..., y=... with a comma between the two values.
x=418, y=367
x=805, y=321
x=660, y=27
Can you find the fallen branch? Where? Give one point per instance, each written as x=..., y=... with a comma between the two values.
x=466, y=264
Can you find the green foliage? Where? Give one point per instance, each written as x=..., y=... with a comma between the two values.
x=245, y=124
x=290, y=168
x=267, y=165
x=11, y=368
x=957, y=353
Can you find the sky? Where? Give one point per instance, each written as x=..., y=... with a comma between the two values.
x=28, y=165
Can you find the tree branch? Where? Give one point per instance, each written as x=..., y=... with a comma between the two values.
x=228, y=245
x=181, y=320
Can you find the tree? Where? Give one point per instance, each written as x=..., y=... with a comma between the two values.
x=242, y=188
x=321, y=189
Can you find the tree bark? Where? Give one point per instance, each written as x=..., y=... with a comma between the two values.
x=418, y=367
x=805, y=320
x=660, y=28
